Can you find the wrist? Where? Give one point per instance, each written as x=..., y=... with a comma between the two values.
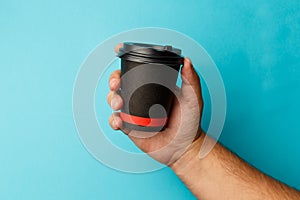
x=194, y=172
x=189, y=158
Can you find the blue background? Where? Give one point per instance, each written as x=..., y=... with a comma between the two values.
x=42, y=45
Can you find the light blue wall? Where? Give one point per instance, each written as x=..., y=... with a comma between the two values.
x=42, y=45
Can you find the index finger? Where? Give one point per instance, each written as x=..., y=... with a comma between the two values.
x=118, y=47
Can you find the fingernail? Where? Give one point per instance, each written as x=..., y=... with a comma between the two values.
x=113, y=82
x=114, y=103
x=114, y=124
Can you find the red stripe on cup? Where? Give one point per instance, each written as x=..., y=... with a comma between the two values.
x=143, y=121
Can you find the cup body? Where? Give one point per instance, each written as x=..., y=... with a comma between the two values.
x=147, y=87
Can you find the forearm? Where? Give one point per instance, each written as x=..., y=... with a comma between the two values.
x=222, y=175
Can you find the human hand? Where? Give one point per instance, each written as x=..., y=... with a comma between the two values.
x=183, y=126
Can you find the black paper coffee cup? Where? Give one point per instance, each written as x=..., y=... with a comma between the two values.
x=151, y=84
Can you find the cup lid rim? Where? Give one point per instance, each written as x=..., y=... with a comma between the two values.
x=150, y=50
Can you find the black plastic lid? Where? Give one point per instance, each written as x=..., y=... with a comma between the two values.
x=150, y=53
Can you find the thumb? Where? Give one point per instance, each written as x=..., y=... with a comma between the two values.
x=191, y=87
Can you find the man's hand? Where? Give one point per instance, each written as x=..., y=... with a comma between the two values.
x=184, y=121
